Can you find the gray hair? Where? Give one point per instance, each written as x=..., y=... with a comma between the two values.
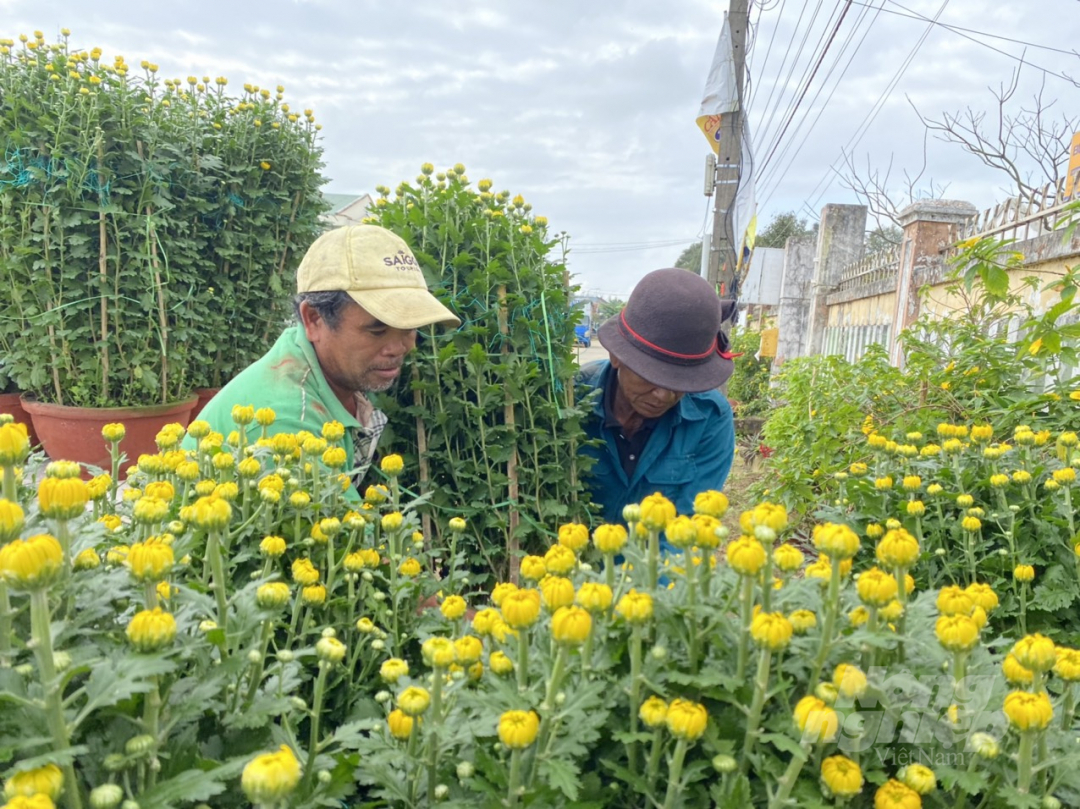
x=329, y=305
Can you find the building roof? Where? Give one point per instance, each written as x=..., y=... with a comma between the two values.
x=339, y=201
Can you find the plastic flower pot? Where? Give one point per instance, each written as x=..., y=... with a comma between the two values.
x=74, y=433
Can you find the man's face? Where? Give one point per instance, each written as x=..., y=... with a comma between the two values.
x=646, y=399
x=362, y=353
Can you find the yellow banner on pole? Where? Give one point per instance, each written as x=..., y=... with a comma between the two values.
x=1072, y=175
x=769, y=339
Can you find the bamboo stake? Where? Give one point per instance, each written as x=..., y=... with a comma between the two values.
x=421, y=450
x=513, y=561
x=103, y=257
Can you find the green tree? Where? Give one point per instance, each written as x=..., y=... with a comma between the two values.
x=781, y=228
x=690, y=258
x=608, y=309
x=882, y=238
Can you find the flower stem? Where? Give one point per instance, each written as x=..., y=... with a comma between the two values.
x=54, y=708
x=316, y=715
x=433, y=733
x=5, y=626
x=831, y=608
x=691, y=584
x=654, y=559
x=515, y=777
x=554, y=682
x=745, y=614
x=257, y=669
x=217, y=567
x=761, y=686
x=10, y=487
x=1069, y=707
x=654, y=757
x=674, y=790
x=787, y=782
x=635, y=693
x=1023, y=608
x=523, y=659
x=1027, y=742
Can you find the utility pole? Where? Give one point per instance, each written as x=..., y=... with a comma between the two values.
x=725, y=242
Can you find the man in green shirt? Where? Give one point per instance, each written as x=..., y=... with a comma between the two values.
x=361, y=296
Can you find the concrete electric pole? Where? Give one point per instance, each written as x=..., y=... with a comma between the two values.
x=725, y=241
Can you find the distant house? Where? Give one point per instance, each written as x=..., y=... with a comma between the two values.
x=590, y=306
x=346, y=209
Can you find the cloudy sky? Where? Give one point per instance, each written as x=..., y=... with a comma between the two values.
x=587, y=109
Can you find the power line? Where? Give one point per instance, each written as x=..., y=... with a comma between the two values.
x=863, y=127
x=914, y=15
x=801, y=142
x=806, y=86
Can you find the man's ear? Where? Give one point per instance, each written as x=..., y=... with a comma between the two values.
x=614, y=361
x=311, y=320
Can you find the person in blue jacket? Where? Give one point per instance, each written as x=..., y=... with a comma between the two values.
x=662, y=424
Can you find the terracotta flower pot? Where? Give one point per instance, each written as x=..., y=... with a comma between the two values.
x=74, y=433
x=205, y=395
x=11, y=403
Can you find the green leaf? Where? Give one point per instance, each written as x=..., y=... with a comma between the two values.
x=190, y=786
x=562, y=775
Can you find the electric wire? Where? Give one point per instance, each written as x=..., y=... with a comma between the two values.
x=768, y=176
x=806, y=86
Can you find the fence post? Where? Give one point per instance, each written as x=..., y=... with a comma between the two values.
x=841, y=237
x=930, y=226
x=794, y=309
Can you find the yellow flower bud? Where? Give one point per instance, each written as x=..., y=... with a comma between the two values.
x=571, y=625
x=453, y=607
x=957, y=633
x=14, y=444
x=151, y=630
x=12, y=520
x=1028, y=712
x=62, y=498
x=816, y=721
x=686, y=719
x=47, y=781
x=841, y=776
x=272, y=595
x=330, y=650
x=392, y=465
x=1036, y=652
x=594, y=597
x=521, y=608
x=559, y=560
x=518, y=729
x=573, y=536
x=771, y=630
x=150, y=560
x=609, y=539
x=656, y=512
x=635, y=607
x=31, y=563
x=271, y=777
x=413, y=701
x=712, y=503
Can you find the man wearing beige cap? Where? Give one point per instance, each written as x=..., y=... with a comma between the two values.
x=361, y=296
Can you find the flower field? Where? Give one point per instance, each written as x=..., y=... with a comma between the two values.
x=229, y=628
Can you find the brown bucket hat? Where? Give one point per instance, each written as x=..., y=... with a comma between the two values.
x=669, y=332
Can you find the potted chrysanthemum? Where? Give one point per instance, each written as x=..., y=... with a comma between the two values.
x=148, y=228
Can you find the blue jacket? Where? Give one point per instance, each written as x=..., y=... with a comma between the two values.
x=690, y=450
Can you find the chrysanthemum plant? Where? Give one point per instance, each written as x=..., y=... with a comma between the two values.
x=149, y=226
x=229, y=627
x=488, y=413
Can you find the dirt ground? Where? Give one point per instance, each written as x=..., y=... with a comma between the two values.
x=738, y=485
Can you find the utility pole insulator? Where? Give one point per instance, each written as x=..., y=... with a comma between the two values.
x=710, y=174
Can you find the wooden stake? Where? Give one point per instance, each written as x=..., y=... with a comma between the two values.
x=512, y=548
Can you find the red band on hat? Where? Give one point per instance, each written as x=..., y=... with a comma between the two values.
x=730, y=355
x=664, y=351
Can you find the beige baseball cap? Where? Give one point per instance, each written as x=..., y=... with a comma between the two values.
x=379, y=272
